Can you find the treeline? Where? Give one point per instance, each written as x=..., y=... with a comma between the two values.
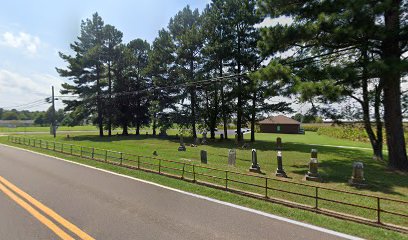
x=18, y=115
x=191, y=75
x=40, y=118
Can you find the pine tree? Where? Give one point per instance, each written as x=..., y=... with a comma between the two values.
x=85, y=69
x=185, y=30
x=327, y=27
x=112, y=38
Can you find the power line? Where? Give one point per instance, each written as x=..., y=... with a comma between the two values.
x=26, y=104
x=214, y=79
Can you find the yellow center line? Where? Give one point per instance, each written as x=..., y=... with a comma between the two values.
x=47, y=210
x=63, y=235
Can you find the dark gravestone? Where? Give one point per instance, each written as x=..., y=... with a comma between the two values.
x=203, y=155
x=221, y=136
x=255, y=166
x=280, y=172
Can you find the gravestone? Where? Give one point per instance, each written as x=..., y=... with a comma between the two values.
x=232, y=157
x=203, y=155
x=182, y=147
x=280, y=172
x=221, y=136
x=357, y=177
x=255, y=166
x=155, y=153
x=278, y=143
x=313, y=173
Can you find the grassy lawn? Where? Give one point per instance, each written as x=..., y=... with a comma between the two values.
x=335, y=168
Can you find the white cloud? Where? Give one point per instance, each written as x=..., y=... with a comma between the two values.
x=17, y=89
x=22, y=40
x=270, y=22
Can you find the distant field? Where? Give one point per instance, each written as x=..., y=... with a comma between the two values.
x=47, y=129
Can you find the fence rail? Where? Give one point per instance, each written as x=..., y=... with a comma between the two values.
x=255, y=186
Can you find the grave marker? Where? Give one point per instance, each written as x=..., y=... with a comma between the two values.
x=255, y=166
x=313, y=173
x=203, y=155
x=280, y=172
x=357, y=177
x=232, y=156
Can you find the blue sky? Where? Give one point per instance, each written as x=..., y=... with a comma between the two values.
x=33, y=32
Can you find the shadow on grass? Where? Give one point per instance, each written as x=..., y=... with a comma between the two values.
x=335, y=170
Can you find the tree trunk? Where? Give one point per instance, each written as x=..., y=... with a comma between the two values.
x=154, y=125
x=365, y=103
x=253, y=115
x=214, y=115
x=99, y=104
x=223, y=110
x=193, y=101
x=392, y=90
x=239, y=102
x=125, y=129
x=138, y=129
x=378, y=151
x=110, y=100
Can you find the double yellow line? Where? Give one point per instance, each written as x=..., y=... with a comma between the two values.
x=24, y=200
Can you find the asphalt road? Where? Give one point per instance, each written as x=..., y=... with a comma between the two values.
x=108, y=206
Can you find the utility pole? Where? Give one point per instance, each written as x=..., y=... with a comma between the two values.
x=53, y=122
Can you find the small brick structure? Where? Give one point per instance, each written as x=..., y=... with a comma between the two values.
x=279, y=124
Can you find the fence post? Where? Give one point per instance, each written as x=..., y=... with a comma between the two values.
x=62, y=147
x=93, y=153
x=182, y=175
x=378, y=210
x=316, y=197
x=46, y=145
x=159, y=166
x=40, y=143
x=121, y=158
x=266, y=187
x=70, y=149
x=106, y=155
x=138, y=162
x=29, y=142
x=34, y=142
x=226, y=179
x=81, y=152
x=194, y=179
x=53, y=147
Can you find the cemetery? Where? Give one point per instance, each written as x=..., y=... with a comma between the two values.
x=271, y=167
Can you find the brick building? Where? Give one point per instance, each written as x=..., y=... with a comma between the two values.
x=279, y=124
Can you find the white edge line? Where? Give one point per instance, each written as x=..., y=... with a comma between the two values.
x=320, y=229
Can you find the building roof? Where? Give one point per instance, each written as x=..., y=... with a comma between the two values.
x=280, y=119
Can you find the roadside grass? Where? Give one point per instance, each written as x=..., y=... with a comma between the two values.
x=348, y=227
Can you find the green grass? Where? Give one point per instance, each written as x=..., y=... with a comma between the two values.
x=300, y=215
